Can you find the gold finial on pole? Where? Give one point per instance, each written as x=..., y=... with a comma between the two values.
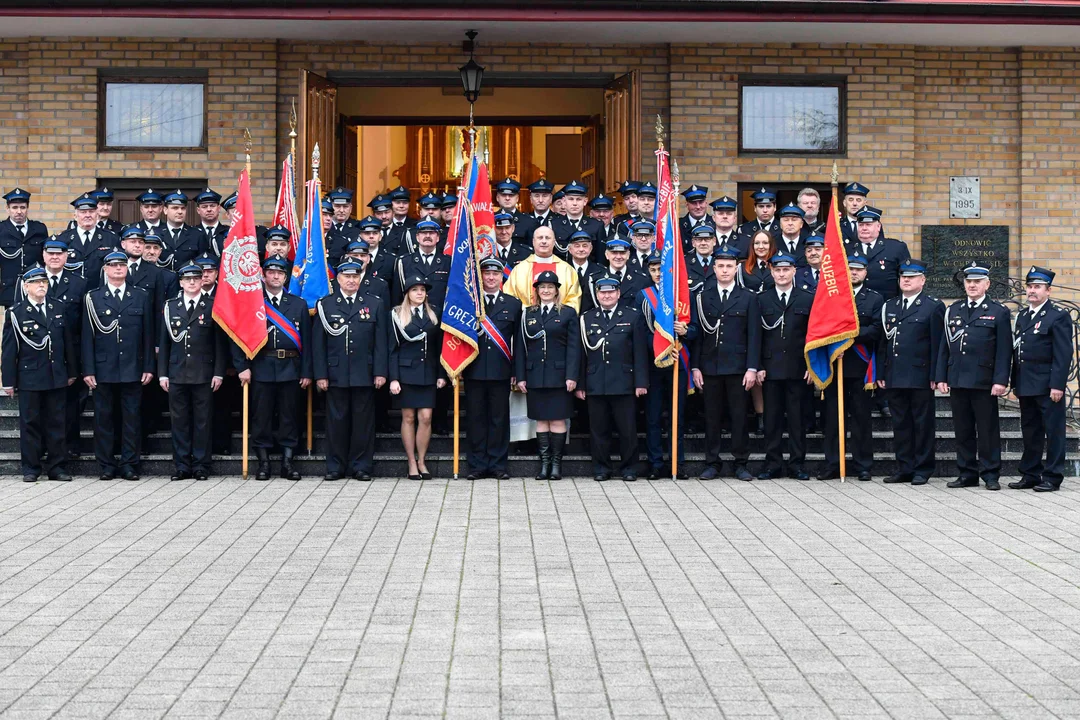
x=247, y=149
x=292, y=120
x=675, y=178
x=660, y=131
x=835, y=173
x=316, y=156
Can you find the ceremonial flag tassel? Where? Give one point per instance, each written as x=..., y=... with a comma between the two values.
x=311, y=274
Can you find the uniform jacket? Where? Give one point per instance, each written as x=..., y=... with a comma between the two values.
x=26, y=368
x=883, y=265
x=335, y=243
x=152, y=279
x=696, y=273
x=17, y=253
x=124, y=353
x=550, y=350
x=400, y=237
x=564, y=228
x=350, y=344
x=1042, y=350
x=615, y=353
x=687, y=225
x=800, y=248
x=756, y=280
x=645, y=318
x=113, y=226
x=588, y=292
x=977, y=351
x=910, y=342
x=199, y=355
x=369, y=285
x=86, y=259
x=849, y=232
x=491, y=362
x=868, y=307
x=511, y=256
x=415, y=362
x=730, y=339
x=190, y=244
x=382, y=266
x=747, y=230
x=805, y=280
x=437, y=275
x=270, y=364
x=631, y=284
x=783, y=329
x=527, y=224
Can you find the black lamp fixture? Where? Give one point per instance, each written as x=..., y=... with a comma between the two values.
x=472, y=73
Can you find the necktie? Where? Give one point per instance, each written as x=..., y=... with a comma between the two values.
x=191, y=307
x=644, y=261
x=581, y=273
x=866, y=249
x=349, y=300
x=783, y=299
x=761, y=266
x=905, y=304
x=723, y=239
x=119, y=294
x=489, y=303
x=972, y=306
x=503, y=253
x=21, y=229
x=134, y=268
x=53, y=281
x=723, y=297
x=791, y=247
x=416, y=312
x=607, y=316
x=41, y=310
x=274, y=300
x=427, y=260
x=176, y=234
x=338, y=227
x=815, y=275
x=86, y=236
x=544, y=313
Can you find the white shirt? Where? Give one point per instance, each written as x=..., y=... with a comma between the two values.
x=274, y=297
x=188, y=300
x=133, y=265
x=857, y=290
x=122, y=288
x=977, y=301
x=720, y=289
x=55, y=277
x=579, y=268
x=494, y=296
x=546, y=306
x=910, y=300
x=786, y=292
x=349, y=298
x=1035, y=310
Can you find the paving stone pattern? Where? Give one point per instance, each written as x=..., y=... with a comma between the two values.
x=567, y=599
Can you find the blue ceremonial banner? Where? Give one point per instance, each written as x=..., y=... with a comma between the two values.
x=311, y=276
x=461, y=310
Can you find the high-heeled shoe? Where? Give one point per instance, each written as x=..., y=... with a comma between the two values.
x=425, y=475
x=413, y=477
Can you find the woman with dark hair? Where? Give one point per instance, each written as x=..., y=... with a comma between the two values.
x=754, y=273
x=547, y=370
x=415, y=372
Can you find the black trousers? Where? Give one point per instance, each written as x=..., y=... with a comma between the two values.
x=228, y=398
x=605, y=413
x=858, y=404
x=1042, y=423
x=191, y=408
x=487, y=422
x=350, y=429
x=914, y=431
x=77, y=394
x=39, y=431
x=155, y=402
x=275, y=414
x=115, y=402
x=725, y=393
x=440, y=414
x=975, y=420
x=657, y=402
x=783, y=401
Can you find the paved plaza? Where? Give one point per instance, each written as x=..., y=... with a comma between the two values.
x=567, y=599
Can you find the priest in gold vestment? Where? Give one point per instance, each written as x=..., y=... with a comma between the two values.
x=520, y=282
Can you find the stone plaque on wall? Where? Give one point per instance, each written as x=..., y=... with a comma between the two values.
x=947, y=248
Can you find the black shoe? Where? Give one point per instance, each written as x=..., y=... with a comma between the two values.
x=362, y=476
x=262, y=472
x=768, y=474
x=177, y=476
x=865, y=476
x=29, y=478
x=963, y=482
x=413, y=477
x=331, y=476
x=600, y=477
x=829, y=474
x=543, y=449
x=288, y=472
x=472, y=476
x=1025, y=483
x=425, y=475
x=558, y=443
x=654, y=472
x=919, y=480
x=503, y=475
x=60, y=476
x=801, y=475
x=992, y=485
x=892, y=479
x=743, y=474
x=629, y=477
x=106, y=476
x=202, y=476
x=709, y=473
x=680, y=475
x=131, y=475
x=73, y=455
x=1047, y=486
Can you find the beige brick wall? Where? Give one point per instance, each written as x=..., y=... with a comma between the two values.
x=14, y=160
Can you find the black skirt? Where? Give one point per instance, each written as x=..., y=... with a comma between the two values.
x=549, y=403
x=415, y=397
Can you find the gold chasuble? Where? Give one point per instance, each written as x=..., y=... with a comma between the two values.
x=520, y=282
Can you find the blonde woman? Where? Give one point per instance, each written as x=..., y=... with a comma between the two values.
x=547, y=370
x=415, y=372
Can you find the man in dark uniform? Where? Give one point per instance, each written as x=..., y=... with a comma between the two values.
x=229, y=206
x=765, y=210
x=810, y=201
x=725, y=360
x=646, y=203
x=854, y=201
x=602, y=209
x=151, y=208
x=857, y=399
x=912, y=326
x=1042, y=362
x=191, y=366
x=558, y=206
x=615, y=370
x=580, y=249
x=401, y=232
x=697, y=214
x=540, y=197
x=208, y=205
x=575, y=195
x=87, y=243
x=147, y=276
x=39, y=361
x=381, y=262
x=806, y=276
x=151, y=254
x=105, y=198
x=183, y=243
x=425, y=262
x=68, y=289
x=350, y=355
x=785, y=313
x=489, y=377
x=507, y=196
x=630, y=282
x=699, y=260
x=643, y=241
x=117, y=361
x=430, y=208
x=507, y=248
x=358, y=252
x=278, y=373
x=403, y=243
x=21, y=240
x=334, y=241
x=449, y=207
x=277, y=243
x=628, y=192
x=884, y=256
x=973, y=367
x=725, y=220
x=792, y=237
x=341, y=199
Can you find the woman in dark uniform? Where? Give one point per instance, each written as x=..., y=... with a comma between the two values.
x=547, y=370
x=415, y=372
x=755, y=273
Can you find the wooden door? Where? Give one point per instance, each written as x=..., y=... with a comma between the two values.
x=622, y=131
x=351, y=154
x=318, y=124
x=590, y=146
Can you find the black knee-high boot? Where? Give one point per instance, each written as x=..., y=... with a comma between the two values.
x=558, y=443
x=543, y=444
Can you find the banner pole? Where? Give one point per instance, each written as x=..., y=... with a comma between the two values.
x=675, y=412
x=457, y=425
x=310, y=416
x=840, y=415
x=244, y=449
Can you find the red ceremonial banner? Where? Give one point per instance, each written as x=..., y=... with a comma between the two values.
x=238, y=304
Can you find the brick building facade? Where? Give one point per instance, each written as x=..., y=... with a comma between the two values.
x=916, y=115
